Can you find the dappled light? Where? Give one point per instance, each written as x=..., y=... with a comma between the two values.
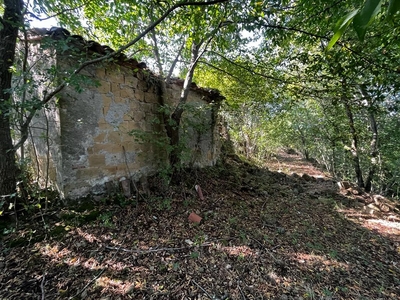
x=115, y=286
x=207, y=149
x=282, y=236
x=312, y=259
x=239, y=251
x=54, y=253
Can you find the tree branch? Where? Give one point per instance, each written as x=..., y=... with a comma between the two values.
x=221, y=70
x=56, y=14
x=252, y=71
x=356, y=53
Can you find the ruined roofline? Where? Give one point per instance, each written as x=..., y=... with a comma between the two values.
x=95, y=48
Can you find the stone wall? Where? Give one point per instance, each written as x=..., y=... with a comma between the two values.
x=84, y=139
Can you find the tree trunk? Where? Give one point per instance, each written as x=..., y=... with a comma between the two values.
x=373, y=151
x=171, y=125
x=11, y=21
x=354, y=145
x=374, y=141
x=176, y=116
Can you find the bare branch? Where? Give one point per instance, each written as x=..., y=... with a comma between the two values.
x=251, y=71
x=56, y=14
x=221, y=70
x=326, y=38
x=171, y=69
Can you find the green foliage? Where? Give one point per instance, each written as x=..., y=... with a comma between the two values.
x=268, y=59
x=361, y=18
x=107, y=219
x=341, y=26
x=365, y=16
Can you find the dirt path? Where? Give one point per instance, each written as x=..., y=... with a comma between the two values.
x=264, y=235
x=290, y=163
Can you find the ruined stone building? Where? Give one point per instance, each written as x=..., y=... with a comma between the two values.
x=107, y=126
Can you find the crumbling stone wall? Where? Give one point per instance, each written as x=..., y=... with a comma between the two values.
x=91, y=141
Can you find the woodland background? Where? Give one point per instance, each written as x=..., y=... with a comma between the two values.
x=307, y=84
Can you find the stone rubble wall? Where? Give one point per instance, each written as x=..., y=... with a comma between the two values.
x=91, y=145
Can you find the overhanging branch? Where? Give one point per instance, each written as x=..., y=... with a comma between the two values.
x=49, y=96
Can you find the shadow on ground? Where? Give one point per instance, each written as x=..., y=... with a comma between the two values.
x=264, y=235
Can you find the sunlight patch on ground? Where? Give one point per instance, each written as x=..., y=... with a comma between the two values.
x=87, y=236
x=69, y=258
x=388, y=224
x=54, y=252
x=240, y=251
x=91, y=264
x=312, y=259
x=114, y=286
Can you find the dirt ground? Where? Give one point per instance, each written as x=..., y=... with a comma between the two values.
x=285, y=231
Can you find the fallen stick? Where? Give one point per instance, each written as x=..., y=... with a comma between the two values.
x=204, y=291
x=157, y=250
x=42, y=286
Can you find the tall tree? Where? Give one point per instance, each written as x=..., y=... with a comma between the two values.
x=10, y=22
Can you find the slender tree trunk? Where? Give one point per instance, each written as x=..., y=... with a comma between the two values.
x=374, y=141
x=171, y=125
x=354, y=145
x=176, y=116
x=304, y=144
x=373, y=152
x=10, y=23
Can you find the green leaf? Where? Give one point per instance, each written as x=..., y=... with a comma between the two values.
x=340, y=27
x=365, y=17
x=394, y=7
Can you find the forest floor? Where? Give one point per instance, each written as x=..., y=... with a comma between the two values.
x=285, y=231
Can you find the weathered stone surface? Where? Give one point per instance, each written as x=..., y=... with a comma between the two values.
x=90, y=131
x=104, y=87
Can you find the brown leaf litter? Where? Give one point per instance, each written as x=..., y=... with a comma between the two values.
x=287, y=232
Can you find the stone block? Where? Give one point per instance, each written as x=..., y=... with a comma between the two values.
x=114, y=137
x=151, y=97
x=127, y=92
x=100, y=73
x=135, y=105
x=105, y=148
x=129, y=126
x=115, y=88
x=116, y=94
x=131, y=168
x=131, y=81
x=139, y=116
x=128, y=118
x=110, y=170
x=126, y=137
x=97, y=160
x=130, y=145
x=111, y=71
x=104, y=126
x=139, y=95
x=119, y=78
x=100, y=138
x=87, y=72
x=147, y=107
x=107, y=100
x=142, y=85
x=88, y=173
x=104, y=87
x=146, y=126
x=118, y=98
